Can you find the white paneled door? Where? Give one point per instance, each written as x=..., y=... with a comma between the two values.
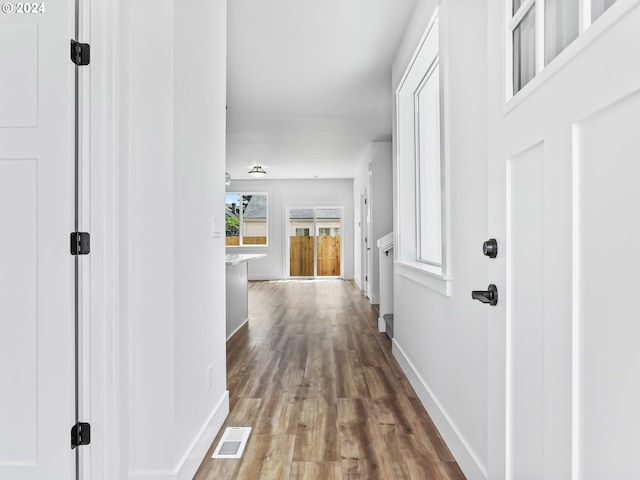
x=564, y=164
x=36, y=219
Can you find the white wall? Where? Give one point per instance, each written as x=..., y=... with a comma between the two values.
x=283, y=193
x=172, y=273
x=442, y=341
x=199, y=266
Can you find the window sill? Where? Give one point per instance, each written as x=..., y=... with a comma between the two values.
x=426, y=275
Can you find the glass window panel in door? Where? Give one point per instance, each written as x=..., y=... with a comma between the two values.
x=598, y=7
x=328, y=222
x=561, y=26
x=301, y=251
x=524, y=51
x=516, y=6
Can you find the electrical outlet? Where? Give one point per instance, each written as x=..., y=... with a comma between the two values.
x=210, y=375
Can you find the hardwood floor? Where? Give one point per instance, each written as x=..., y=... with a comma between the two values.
x=318, y=384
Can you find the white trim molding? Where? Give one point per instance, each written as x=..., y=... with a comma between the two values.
x=426, y=276
x=189, y=463
x=433, y=273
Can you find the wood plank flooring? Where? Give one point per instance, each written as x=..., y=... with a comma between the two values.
x=325, y=397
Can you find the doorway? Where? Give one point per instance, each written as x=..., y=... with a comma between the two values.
x=315, y=242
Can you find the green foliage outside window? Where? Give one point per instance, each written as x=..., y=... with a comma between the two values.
x=232, y=226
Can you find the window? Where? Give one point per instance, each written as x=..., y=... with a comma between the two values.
x=524, y=50
x=421, y=180
x=561, y=26
x=428, y=168
x=246, y=219
x=329, y=231
x=541, y=29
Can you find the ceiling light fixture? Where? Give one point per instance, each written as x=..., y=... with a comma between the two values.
x=257, y=171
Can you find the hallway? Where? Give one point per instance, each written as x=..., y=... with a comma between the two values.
x=325, y=398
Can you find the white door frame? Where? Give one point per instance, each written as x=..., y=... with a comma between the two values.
x=101, y=357
x=363, y=244
x=368, y=244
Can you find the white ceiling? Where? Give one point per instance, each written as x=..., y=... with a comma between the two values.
x=309, y=83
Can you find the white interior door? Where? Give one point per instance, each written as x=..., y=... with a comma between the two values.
x=563, y=181
x=36, y=268
x=368, y=242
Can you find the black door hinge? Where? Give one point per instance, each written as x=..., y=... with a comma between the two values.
x=80, y=434
x=80, y=53
x=80, y=243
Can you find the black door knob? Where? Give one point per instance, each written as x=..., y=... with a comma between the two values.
x=489, y=296
x=490, y=248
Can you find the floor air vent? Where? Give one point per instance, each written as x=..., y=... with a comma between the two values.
x=232, y=442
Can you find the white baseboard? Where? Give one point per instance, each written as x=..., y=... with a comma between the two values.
x=382, y=326
x=464, y=455
x=188, y=465
x=280, y=277
x=159, y=475
x=265, y=277
x=236, y=330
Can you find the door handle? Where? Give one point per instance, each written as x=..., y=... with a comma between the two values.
x=489, y=296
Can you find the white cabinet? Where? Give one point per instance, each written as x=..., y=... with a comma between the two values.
x=238, y=290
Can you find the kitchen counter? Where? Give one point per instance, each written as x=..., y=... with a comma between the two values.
x=238, y=290
x=237, y=258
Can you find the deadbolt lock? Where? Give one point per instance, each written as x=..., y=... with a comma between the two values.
x=490, y=248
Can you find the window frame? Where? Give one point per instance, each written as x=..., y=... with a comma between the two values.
x=241, y=222
x=425, y=58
